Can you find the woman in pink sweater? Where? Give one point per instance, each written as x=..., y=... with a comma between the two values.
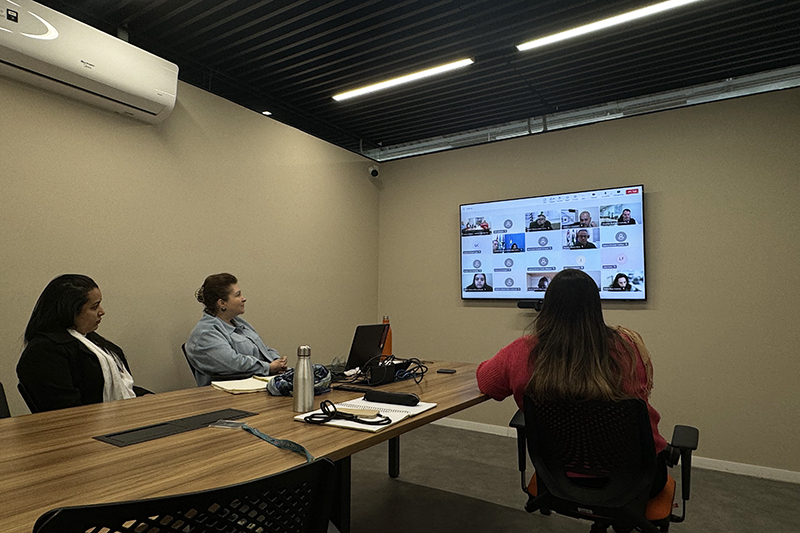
x=572, y=354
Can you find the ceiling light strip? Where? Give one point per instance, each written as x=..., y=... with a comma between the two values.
x=605, y=23
x=403, y=79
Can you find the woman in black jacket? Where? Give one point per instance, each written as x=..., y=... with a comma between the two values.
x=64, y=362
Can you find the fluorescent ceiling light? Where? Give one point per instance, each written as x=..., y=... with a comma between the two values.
x=403, y=79
x=266, y=113
x=603, y=24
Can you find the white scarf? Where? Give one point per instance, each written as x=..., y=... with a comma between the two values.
x=117, y=381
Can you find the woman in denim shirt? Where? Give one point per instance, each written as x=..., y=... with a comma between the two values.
x=224, y=344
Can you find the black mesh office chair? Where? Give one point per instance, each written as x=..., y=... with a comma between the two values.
x=188, y=361
x=596, y=461
x=32, y=407
x=5, y=412
x=298, y=500
x=141, y=391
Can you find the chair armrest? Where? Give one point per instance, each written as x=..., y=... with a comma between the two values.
x=518, y=422
x=685, y=439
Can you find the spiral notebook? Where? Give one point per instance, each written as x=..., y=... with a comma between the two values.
x=395, y=412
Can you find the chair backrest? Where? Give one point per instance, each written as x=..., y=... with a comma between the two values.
x=298, y=500
x=4, y=410
x=594, y=452
x=29, y=401
x=188, y=361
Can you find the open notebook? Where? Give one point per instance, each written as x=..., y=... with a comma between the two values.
x=241, y=386
x=395, y=412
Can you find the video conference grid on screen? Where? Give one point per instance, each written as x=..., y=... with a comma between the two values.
x=511, y=249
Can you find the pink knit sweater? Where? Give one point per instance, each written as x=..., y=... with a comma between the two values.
x=509, y=372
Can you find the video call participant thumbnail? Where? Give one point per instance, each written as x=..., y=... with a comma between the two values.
x=582, y=240
x=582, y=220
x=540, y=223
x=475, y=226
x=622, y=282
x=585, y=220
x=514, y=242
x=479, y=283
x=625, y=218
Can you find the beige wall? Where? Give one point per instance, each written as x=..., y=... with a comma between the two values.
x=722, y=319
x=149, y=211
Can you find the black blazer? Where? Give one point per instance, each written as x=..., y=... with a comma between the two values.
x=59, y=371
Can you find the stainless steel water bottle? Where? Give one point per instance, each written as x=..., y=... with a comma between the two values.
x=303, y=387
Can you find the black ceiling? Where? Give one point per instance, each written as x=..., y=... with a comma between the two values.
x=291, y=56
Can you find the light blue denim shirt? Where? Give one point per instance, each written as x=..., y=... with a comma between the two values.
x=216, y=348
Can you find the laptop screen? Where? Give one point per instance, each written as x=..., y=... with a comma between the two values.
x=367, y=343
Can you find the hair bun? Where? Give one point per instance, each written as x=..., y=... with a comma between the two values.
x=199, y=295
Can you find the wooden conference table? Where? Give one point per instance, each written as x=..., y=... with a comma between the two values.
x=50, y=460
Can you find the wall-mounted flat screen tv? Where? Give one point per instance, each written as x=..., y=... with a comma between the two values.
x=511, y=249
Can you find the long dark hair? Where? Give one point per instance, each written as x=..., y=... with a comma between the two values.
x=615, y=283
x=216, y=287
x=59, y=303
x=572, y=357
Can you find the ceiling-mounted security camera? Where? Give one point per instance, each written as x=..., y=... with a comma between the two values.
x=373, y=171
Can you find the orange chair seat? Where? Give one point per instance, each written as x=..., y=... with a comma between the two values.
x=659, y=507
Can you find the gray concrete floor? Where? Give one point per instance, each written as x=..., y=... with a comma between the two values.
x=457, y=480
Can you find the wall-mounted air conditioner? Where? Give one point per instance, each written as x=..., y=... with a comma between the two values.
x=50, y=50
